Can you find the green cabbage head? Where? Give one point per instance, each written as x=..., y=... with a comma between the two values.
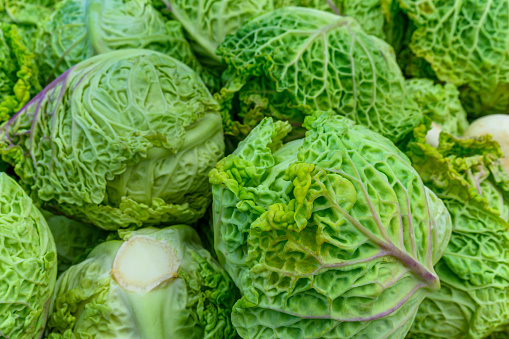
x=465, y=41
x=467, y=175
x=18, y=72
x=72, y=238
x=79, y=29
x=122, y=139
x=154, y=283
x=28, y=268
x=293, y=61
x=330, y=236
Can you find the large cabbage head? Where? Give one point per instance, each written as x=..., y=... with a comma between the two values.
x=474, y=271
x=292, y=61
x=18, y=72
x=330, y=236
x=465, y=41
x=28, y=265
x=153, y=283
x=79, y=29
x=122, y=139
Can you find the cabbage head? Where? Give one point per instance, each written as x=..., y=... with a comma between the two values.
x=79, y=29
x=474, y=271
x=29, y=264
x=122, y=139
x=293, y=61
x=18, y=72
x=330, y=236
x=153, y=283
x=465, y=41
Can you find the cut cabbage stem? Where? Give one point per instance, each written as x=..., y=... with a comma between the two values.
x=143, y=263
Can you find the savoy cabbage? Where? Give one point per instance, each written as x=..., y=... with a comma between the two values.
x=330, y=236
x=122, y=139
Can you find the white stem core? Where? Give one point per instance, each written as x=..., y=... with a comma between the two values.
x=498, y=126
x=142, y=263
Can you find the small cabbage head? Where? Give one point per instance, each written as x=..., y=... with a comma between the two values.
x=466, y=44
x=153, y=283
x=466, y=173
x=18, y=72
x=79, y=29
x=123, y=139
x=330, y=236
x=293, y=61
x=28, y=266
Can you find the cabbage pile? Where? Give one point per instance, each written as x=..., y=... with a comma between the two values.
x=254, y=169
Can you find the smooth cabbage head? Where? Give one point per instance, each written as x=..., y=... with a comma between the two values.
x=467, y=175
x=72, y=239
x=123, y=139
x=18, y=72
x=28, y=264
x=330, y=236
x=154, y=283
x=466, y=44
x=293, y=61
x=79, y=29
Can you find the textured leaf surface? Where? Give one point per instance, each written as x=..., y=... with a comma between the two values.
x=208, y=22
x=474, y=271
x=18, y=72
x=292, y=61
x=28, y=266
x=80, y=29
x=466, y=44
x=440, y=103
x=331, y=236
x=122, y=139
x=89, y=303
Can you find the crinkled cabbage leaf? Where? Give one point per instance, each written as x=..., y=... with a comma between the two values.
x=466, y=44
x=18, y=72
x=122, y=139
x=80, y=29
x=194, y=303
x=28, y=266
x=293, y=61
x=207, y=23
x=474, y=271
x=330, y=236
x=440, y=103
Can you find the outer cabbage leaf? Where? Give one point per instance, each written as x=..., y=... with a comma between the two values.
x=330, y=236
x=90, y=303
x=293, y=61
x=474, y=271
x=439, y=103
x=80, y=29
x=122, y=139
x=28, y=266
x=72, y=238
x=466, y=44
x=18, y=72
